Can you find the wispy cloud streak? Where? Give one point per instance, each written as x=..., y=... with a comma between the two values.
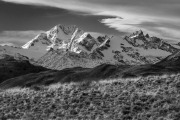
x=134, y=13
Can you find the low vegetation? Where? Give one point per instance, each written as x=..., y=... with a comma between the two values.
x=149, y=98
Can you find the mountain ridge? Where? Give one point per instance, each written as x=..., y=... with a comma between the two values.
x=75, y=55
x=136, y=48
x=133, y=49
x=16, y=65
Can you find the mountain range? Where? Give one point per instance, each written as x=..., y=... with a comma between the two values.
x=67, y=53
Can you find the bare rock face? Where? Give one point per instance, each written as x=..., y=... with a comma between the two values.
x=88, y=43
x=104, y=46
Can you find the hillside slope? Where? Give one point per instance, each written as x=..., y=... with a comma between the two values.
x=149, y=98
x=64, y=76
x=13, y=66
x=171, y=60
x=78, y=74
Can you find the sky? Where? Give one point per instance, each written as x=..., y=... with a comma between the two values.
x=21, y=20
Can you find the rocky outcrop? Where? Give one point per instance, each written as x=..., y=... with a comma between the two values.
x=88, y=43
x=138, y=39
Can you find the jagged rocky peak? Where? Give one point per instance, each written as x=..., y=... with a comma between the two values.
x=89, y=36
x=88, y=43
x=70, y=29
x=140, y=33
x=102, y=39
x=57, y=37
x=70, y=38
x=138, y=39
x=147, y=36
x=64, y=32
x=137, y=34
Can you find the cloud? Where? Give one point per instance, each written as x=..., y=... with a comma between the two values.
x=157, y=17
x=150, y=7
x=74, y=5
x=17, y=37
x=153, y=27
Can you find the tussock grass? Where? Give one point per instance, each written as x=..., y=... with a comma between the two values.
x=149, y=98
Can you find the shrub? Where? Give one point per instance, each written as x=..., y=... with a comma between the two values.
x=127, y=99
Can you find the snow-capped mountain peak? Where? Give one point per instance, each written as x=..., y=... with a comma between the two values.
x=69, y=38
x=136, y=48
x=39, y=39
x=58, y=37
